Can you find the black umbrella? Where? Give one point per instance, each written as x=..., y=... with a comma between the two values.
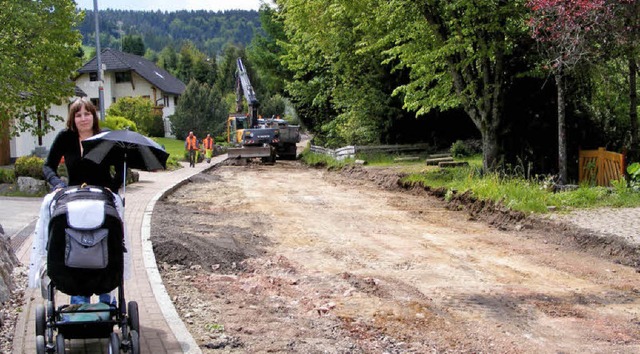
x=133, y=149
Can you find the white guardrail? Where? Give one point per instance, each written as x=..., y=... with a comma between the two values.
x=351, y=151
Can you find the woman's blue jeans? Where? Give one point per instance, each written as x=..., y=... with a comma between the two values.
x=104, y=298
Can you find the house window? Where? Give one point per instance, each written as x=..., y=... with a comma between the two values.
x=93, y=76
x=175, y=100
x=166, y=101
x=113, y=100
x=123, y=76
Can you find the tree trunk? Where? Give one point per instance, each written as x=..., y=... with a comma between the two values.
x=633, y=102
x=490, y=149
x=562, y=133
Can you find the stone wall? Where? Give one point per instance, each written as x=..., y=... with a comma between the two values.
x=8, y=261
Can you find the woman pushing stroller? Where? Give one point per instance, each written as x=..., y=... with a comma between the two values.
x=82, y=123
x=80, y=237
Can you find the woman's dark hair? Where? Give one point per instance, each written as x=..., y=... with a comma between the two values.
x=75, y=107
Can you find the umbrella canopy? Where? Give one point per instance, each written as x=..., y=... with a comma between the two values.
x=134, y=149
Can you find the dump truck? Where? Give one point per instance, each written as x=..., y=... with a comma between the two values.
x=288, y=137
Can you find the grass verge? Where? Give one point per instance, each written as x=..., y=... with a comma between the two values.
x=509, y=189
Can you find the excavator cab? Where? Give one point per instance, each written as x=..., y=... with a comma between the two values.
x=236, y=124
x=248, y=142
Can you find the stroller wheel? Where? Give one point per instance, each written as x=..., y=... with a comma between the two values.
x=40, y=346
x=114, y=343
x=135, y=342
x=60, y=343
x=134, y=318
x=41, y=321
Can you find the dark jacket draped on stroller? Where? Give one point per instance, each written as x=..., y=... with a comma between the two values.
x=81, y=235
x=86, y=237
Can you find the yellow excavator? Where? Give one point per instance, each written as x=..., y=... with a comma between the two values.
x=250, y=140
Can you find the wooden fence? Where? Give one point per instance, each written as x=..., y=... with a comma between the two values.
x=600, y=167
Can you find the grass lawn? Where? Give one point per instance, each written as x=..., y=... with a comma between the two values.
x=509, y=187
x=174, y=147
x=516, y=192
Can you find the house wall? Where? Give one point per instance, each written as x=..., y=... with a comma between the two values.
x=25, y=144
x=137, y=88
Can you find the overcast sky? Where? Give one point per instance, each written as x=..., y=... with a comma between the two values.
x=171, y=5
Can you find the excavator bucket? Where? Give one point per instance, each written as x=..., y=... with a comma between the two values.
x=250, y=152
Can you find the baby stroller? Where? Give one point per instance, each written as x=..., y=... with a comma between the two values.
x=85, y=256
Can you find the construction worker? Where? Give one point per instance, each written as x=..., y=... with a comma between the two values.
x=208, y=147
x=191, y=145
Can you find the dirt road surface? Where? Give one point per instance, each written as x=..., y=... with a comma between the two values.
x=284, y=258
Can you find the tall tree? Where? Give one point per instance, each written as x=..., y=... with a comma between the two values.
x=227, y=69
x=265, y=51
x=567, y=31
x=458, y=54
x=342, y=91
x=38, y=56
x=185, y=62
x=133, y=44
x=201, y=110
x=168, y=59
x=627, y=33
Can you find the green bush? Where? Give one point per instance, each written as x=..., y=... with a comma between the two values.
x=465, y=148
x=29, y=166
x=173, y=163
x=156, y=128
x=119, y=123
x=137, y=109
x=459, y=149
x=321, y=160
x=7, y=175
x=634, y=175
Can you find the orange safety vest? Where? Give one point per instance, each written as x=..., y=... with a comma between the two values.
x=208, y=143
x=192, y=143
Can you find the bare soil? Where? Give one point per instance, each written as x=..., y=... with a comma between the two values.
x=284, y=258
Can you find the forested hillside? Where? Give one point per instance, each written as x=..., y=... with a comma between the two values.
x=208, y=30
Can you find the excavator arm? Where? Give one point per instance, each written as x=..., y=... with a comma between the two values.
x=243, y=86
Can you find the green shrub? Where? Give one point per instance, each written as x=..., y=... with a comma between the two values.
x=156, y=127
x=172, y=163
x=7, y=175
x=29, y=166
x=465, y=148
x=320, y=160
x=459, y=149
x=634, y=175
x=119, y=123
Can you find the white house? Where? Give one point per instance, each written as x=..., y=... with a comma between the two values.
x=129, y=75
x=124, y=75
x=25, y=144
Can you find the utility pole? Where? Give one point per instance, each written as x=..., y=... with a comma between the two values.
x=100, y=78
